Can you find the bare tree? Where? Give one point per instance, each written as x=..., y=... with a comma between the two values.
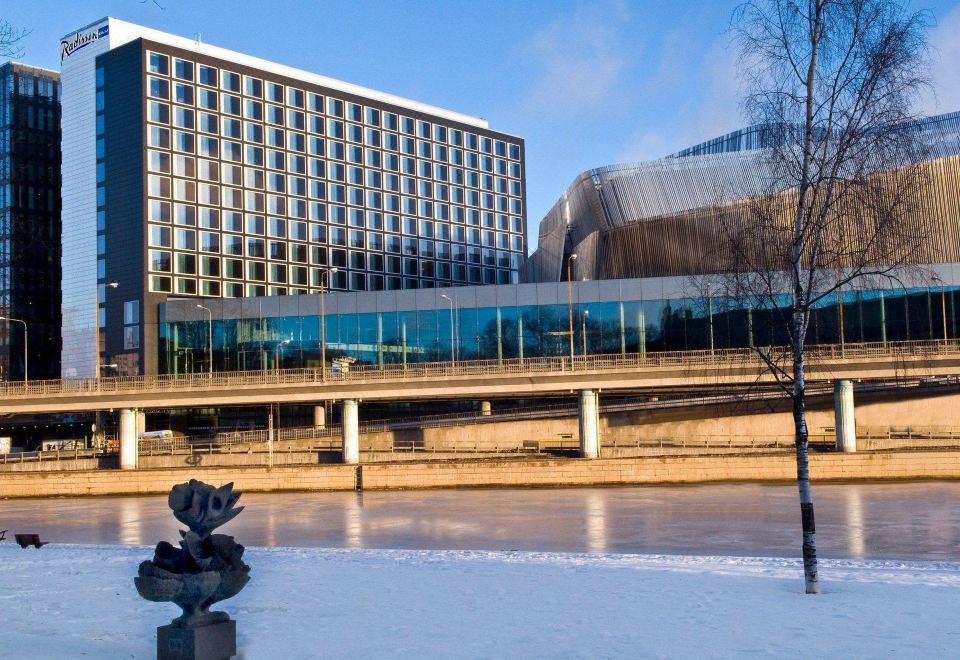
x=10, y=37
x=831, y=84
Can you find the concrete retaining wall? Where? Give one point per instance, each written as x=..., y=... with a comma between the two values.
x=495, y=473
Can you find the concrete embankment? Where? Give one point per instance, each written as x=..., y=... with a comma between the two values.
x=494, y=473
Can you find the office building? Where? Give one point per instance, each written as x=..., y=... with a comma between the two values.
x=29, y=222
x=195, y=171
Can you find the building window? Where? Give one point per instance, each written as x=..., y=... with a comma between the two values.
x=157, y=63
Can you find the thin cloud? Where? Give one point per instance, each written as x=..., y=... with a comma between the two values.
x=579, y=61
x=714, y=111
x=945, y=45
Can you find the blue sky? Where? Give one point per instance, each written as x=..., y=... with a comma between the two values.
x=585, y=83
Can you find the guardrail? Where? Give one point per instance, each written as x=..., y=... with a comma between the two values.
x=689, y=359
x=51, y=455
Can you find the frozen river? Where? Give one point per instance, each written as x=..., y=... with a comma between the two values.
x=916, y=520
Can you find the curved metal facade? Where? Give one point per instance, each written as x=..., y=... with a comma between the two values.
x=661, y=217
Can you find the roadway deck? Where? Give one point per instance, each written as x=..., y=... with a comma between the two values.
x=890, y=361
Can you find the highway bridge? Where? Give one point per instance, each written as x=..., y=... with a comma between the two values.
x=483, y=379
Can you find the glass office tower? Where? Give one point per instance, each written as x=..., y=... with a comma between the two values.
x=209, y=173
x=29, y=222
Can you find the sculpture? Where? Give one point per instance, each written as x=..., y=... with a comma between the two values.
x=205, y=569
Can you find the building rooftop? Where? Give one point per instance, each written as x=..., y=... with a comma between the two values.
x=122, y=32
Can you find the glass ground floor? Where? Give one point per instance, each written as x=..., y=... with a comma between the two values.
x=521, y=321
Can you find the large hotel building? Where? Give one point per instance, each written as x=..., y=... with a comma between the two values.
x=195, y=171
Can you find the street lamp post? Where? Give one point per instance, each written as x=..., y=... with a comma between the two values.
x=209, y=338
x=453, y=338
x=943, y=303
x=710, y=314
x=583, y=330
x=96, y=325
x=26, y=371
x=570, y=260
x=323, y=323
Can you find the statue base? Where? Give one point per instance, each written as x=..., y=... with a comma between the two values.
x=215, y=641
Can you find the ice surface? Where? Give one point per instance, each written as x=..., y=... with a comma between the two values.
x=79, y=601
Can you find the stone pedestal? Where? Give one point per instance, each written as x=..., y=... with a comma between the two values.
x=216, y=641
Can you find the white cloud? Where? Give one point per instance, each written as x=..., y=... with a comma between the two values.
x=579, y=60
x=945, y=45
x=712, y=112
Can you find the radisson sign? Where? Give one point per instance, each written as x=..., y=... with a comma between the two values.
x=72, y=44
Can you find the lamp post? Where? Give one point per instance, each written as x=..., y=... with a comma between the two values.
x=323, y=323
x=583, y=330
x=943, y=303
x=276, y=352
x=96, y=325
x=453, y=338
x=209, y=338
x=26, y=371
x=710, y=314
x=570, y=261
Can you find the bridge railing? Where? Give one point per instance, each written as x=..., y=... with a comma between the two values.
x=729, y=357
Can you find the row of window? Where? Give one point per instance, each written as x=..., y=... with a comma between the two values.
x=275, y=148
x=188, y=215
x=280, y=228
x=182, y=263
x=340, y=280
x=206, y=169
x=251, y=246
x=338, y=139
x=255, y=201
x=209, y=171
x=185, y=73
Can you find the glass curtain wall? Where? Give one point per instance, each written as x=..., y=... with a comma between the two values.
x=532, y=331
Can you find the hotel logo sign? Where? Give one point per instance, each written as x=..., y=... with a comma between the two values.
x=71, y=45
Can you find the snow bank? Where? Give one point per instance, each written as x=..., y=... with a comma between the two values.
x=79, y=601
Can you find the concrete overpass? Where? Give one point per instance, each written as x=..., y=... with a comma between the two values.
x=480, y=379
x=587, y=375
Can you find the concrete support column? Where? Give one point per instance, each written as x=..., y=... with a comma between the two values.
x=350, y=429
x=845, y=420
x=128, y=439
x=141, y=422
x=485, y=408
x=589, y=410
x=320, y=416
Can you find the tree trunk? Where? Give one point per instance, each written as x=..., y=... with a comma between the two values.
x=803, y=470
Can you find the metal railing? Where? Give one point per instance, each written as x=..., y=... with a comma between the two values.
x=49, y=455
x=731, y=357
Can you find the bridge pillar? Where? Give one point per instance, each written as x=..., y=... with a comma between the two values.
x=845, y=419
x=320, y=416
x=350, y=429
x=589, y=413
x=128, y=438
x=486, y=408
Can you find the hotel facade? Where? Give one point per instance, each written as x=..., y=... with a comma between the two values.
x=191, y=171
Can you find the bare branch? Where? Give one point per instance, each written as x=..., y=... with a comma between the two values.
x=10, y=38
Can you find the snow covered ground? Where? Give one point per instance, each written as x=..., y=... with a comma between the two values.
x=72, y=601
